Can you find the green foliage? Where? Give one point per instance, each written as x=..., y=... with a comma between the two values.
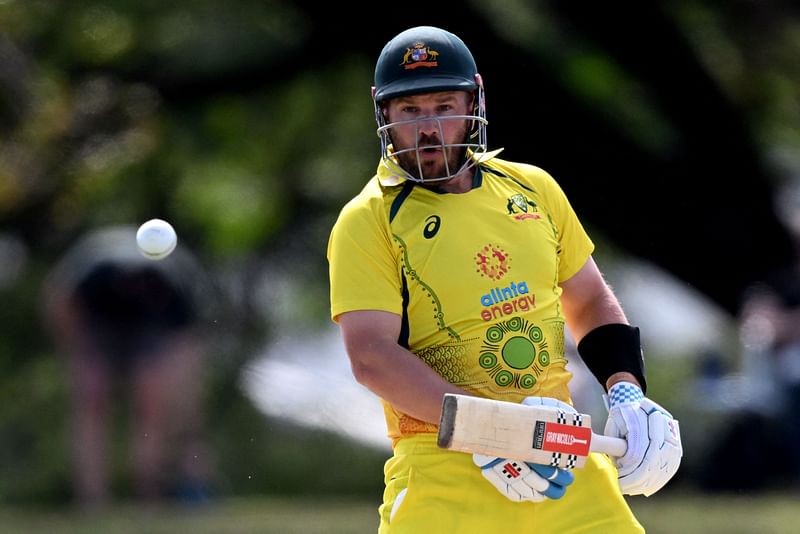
x=93, y=135
x=261, y=455
x=33, y=444
x=215, y=116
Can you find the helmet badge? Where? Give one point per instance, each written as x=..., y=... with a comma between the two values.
x=420, y=56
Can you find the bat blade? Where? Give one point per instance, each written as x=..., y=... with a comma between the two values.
x=521, y=432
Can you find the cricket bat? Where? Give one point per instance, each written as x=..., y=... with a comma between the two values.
x=520, y=432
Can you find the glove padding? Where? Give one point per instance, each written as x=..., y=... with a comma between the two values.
x=525, y=481
x=654, y=440
x=522, y=481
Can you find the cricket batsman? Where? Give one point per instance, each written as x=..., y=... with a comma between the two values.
x=456, y=271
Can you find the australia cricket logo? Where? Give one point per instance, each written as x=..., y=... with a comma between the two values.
x=520, y=202
x=420, y=56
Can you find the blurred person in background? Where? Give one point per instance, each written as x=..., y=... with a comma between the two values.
x=770, y=332
x=763, y=393
x=131, y=331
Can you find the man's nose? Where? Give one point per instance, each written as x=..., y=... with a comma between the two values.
x=429, y=126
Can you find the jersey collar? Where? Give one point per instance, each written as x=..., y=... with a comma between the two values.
x=389, y=174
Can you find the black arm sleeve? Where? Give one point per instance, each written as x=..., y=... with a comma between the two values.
x=613, y=348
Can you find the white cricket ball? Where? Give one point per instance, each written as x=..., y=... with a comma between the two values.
x=156, y=239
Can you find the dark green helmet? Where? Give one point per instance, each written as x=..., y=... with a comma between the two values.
x=424, y=59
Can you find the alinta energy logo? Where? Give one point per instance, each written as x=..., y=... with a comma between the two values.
x=494, y=263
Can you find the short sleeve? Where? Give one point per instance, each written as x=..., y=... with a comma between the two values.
x=575, y=244
x=363, y=270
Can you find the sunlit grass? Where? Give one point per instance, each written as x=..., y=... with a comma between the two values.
x=667, y=513
x=716, y=514
x=231, y=516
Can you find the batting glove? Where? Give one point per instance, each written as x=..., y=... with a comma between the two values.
x=526, y=481
x=521, y=481
x=654, y=440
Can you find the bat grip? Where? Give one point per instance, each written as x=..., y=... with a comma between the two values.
x=612, y=446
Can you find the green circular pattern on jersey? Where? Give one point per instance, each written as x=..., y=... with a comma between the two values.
x=494, y=334
x=527, y=381
x=487, y=360
x=544, y=358
x=504, y=378
x=535, y=333
x=514, y=324
x=519, y=352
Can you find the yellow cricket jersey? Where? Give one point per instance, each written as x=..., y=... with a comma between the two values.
x=474, y=276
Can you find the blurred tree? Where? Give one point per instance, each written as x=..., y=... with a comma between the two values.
x=249, y=123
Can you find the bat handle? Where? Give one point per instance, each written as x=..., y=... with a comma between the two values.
x=611, y=446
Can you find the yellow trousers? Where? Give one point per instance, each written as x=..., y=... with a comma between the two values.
x=445, y=493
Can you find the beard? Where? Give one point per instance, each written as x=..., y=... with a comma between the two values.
x=446, y=162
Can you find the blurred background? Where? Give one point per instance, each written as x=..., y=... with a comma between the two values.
x=673, y=127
